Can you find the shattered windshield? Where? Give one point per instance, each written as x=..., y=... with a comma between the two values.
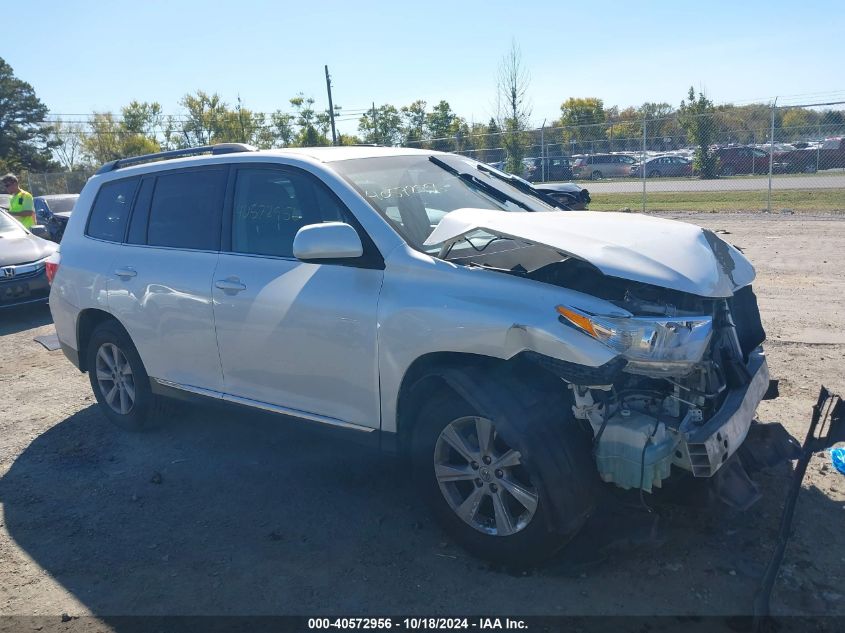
x=414, y=193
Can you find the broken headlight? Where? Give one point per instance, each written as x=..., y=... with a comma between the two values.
x=662, y=344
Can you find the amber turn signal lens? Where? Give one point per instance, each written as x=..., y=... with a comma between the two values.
x=578, y=319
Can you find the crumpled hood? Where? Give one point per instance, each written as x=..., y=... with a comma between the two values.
x=641, y=248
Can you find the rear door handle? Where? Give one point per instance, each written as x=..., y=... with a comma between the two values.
x=230, y=285
x=126, y=272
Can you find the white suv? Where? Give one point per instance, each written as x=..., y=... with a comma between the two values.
x=518, y=352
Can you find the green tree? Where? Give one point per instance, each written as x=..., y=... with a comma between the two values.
x=742, y=124
x=414, y=123
x=491, y=142
x=584, y=120
x=796, y=123
x=348, y=139
x=513, y=108
x=696, y=118
x=25, y=141
x=109, y=139
x=203, y=120
x=440, y=127
x=383, y=127
x=142, y=118
x=312, y=128
x=281, y=124
x=625, y=129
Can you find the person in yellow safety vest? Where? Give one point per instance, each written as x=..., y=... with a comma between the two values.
x=21, y=206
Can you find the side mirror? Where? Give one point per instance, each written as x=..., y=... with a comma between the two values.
x=39, y=230
x=329, y=240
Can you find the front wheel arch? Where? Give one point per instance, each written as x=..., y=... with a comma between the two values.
x=531, y=409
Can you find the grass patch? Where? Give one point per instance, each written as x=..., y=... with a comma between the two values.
x=800, y=200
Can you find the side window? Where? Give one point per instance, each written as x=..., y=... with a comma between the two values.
x=271, y=205
x=186, y=209
x=111, y=210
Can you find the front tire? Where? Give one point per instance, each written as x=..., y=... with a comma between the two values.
x=479, y=487
x=119, y=381
x=596, y=175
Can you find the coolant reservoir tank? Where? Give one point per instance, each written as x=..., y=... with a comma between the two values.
x=635, y=451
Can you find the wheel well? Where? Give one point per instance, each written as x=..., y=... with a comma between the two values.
x=86, y=324
x=423, y=378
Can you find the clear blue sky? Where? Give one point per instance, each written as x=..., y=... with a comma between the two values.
x=97, y=56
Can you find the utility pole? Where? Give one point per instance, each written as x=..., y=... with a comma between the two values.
x=331, y=106
x=375, y=124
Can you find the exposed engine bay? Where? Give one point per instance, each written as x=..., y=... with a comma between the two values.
x=648, y=416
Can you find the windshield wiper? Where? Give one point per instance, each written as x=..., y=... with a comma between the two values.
x=523, y=186
x=477, y=183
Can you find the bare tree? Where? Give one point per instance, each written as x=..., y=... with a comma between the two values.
x=69, y=141
x=513, y=108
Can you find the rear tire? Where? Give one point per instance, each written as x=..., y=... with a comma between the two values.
x=521, y=539
x=120, y=381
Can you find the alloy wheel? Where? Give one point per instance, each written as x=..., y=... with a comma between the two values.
x=115, y=378
x=482, y=478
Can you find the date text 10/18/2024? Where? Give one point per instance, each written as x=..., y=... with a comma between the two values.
x=418, y=624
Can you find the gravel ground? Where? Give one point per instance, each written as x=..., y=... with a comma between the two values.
x=219, y=513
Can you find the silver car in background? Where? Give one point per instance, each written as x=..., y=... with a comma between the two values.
x=598, y=166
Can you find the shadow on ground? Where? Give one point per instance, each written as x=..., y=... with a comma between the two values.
x=19, y=318
x=221, y=513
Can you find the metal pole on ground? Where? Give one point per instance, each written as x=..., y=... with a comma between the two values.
x=771, y=156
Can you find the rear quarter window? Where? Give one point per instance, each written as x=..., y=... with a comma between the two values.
x=111, y=210
x=186, y=209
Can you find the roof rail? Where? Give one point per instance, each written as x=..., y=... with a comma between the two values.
x=220, y=148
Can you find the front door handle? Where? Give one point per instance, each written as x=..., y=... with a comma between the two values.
x=126, y=273
x=230, y=285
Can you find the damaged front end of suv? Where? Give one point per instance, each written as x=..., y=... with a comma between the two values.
x=688, y=372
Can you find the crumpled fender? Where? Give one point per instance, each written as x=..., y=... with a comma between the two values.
x=533, y=412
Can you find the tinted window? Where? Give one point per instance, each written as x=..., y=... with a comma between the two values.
x=111, y=210
x=185, y=209
x=141, y=213
x=271, y=205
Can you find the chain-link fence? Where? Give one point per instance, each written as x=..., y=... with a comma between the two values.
x=736, y=158
x=754, y=159
x=44, y=183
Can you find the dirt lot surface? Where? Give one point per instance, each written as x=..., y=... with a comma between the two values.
x=220, y=513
